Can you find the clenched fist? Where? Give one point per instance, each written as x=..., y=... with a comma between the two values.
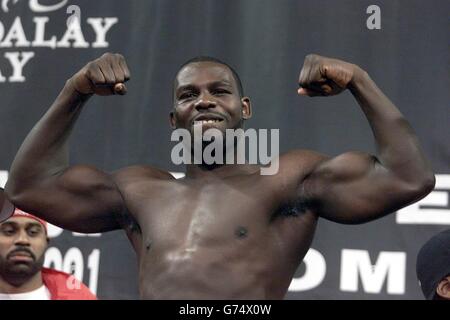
x=321, y=76
x=104, y=76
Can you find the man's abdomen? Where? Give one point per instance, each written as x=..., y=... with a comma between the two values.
x=206, y=273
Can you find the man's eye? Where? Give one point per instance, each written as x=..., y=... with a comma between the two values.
x=187, y=95
x=8, y=232
x=33, y=232
x=220, y=92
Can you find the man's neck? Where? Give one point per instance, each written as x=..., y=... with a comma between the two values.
x=14, y=286
x=198, y=171
x=232, y=166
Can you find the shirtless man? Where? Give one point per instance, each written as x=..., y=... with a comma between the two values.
x=222, y=232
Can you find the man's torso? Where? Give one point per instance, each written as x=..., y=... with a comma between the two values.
x=237, y=236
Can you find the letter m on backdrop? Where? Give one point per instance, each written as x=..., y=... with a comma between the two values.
x=390, y=268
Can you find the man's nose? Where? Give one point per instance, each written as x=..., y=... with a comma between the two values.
x=205, y=102
x=22, y=238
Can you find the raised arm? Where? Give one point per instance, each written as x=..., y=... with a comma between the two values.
x=78, y=198
x=356, y=187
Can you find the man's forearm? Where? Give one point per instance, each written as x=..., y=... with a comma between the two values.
x=398, y=148
x=44, y=151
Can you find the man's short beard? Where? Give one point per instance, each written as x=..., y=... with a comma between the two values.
x=16, y=274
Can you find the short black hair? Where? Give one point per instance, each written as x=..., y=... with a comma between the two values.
x=215, y=60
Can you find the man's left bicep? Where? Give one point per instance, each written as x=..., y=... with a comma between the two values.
x=353, y=188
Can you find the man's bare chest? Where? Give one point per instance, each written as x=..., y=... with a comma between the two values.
x=201, y=209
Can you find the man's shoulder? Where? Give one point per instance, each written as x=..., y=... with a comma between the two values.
x=53, y=273
x=64, y=286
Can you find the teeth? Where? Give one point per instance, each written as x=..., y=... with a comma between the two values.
x=206, y=121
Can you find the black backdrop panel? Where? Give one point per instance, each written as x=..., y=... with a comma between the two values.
x=266, y=42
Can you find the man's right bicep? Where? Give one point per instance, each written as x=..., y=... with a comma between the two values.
x=80, y=198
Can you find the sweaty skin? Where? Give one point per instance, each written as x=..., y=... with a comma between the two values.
x=222, y=232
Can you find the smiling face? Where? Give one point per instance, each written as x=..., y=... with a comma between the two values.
x=23, y=242
x=206, y=94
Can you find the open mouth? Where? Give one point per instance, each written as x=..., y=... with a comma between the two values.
x=205, y=119
x=197, y=122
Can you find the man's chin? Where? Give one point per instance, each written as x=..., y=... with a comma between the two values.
x=24, y=271
x=205, y=132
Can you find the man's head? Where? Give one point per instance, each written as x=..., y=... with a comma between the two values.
x=433, y=267
x=23, y=241
x=208, y=92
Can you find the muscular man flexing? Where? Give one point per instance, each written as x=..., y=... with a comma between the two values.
x=223, y=231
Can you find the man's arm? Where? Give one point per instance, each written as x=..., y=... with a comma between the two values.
x=356, y=187
x=78, y=198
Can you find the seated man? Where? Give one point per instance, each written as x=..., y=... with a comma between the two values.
x=23, y=241
x=433, y=267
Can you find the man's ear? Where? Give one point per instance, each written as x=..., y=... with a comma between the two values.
x=443, y=288
x=172, y=120
x=246, y=108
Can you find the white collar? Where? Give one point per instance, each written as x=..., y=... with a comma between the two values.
x=41, y=293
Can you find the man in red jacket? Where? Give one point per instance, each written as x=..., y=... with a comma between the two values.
x=23, y=241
